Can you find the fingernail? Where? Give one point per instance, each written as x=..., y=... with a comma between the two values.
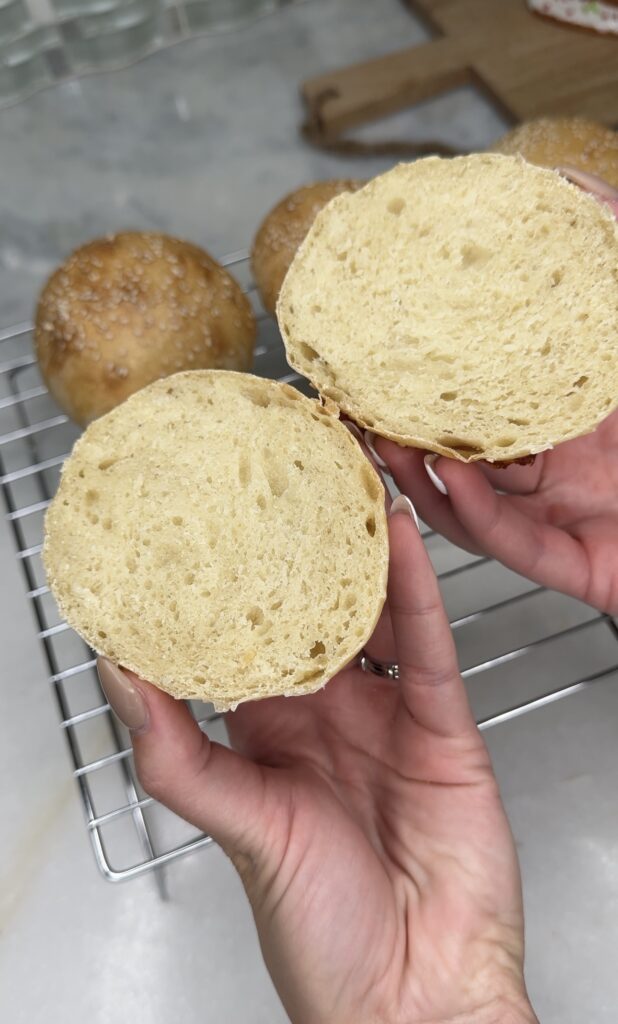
x=403, y=504
x=590, y=182
x=370, y=440
x=354, y=430
x=123, y=696
x=429, y=461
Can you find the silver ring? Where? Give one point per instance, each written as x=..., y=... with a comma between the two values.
x=385, y=669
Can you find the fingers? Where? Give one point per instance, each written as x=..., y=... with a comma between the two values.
x=474, y=517
x=408, y=464
x=381, y=646
x=543, y=553
x=597, y=187
x=210, y=786
x=430, y=681
x=514, y=479
x=408, y=470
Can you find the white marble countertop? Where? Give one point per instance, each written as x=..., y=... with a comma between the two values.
x=200, y=140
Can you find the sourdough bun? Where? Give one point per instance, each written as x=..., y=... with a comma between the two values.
x=282, y=231
x=465, y=306
x=221, y=535
x=565, y=142
x=125, y=310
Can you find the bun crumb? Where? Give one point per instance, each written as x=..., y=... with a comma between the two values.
x=465, y=306
x=222, y=536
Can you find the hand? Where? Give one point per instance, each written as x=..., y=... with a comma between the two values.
x=558, y=522
x=365, y=822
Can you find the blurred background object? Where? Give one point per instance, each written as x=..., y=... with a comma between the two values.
x=45, y=41
x=592, y=15
x=527, y=67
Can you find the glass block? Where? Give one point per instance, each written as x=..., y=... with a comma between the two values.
x=14, y=18
x=117, y=37
x=75, y=8
x=213, y=14
x=118, y=16
x=23, y=62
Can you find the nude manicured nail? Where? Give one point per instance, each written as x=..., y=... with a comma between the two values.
x=403, y=504
x=370, y=440
x=429, y=461
x=590, y=182
x=354, y=430
x=123, y=696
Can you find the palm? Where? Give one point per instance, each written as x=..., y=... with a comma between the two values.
x=367, y=826
x=391, y=856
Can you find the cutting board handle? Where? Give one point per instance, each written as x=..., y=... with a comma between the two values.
x=339, y=100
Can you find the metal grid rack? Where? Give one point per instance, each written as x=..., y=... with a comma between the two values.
x=514, y=638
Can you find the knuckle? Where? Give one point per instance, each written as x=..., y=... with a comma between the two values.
x=408, y=610
x=431, y=677
x=152, y=778
x=172, y=767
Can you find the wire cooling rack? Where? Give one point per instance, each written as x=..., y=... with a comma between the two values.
x=520, y=646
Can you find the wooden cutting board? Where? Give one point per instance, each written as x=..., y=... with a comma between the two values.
x=528, y=65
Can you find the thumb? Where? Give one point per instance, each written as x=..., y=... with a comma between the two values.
x=209, y=785
x=600, y=189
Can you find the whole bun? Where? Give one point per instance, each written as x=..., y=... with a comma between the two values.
x=124, y=310
x=284, y=228
x=565, y=141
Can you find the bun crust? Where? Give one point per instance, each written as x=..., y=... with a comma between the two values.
x=126, y=310
x=565, y=142
x=282, y=231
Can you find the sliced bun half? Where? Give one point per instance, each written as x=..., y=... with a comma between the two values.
x=222, y=536
x=467, y=306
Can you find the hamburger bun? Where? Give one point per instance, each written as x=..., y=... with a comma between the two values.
x=565, y=142
x=465, y=306
x=282, y=231
x=125, y=310
x=222, y=536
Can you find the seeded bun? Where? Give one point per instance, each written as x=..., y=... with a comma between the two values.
x=465, y=306
x=565, y=142
x=282, y=231
x=125, y=310
x=221, y=535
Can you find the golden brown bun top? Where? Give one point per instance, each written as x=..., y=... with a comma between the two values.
x=565, y=141
x=284, y=228
x=129, y=308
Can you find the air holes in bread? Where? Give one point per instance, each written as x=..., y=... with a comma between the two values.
x=395, y=205
x=308, y=352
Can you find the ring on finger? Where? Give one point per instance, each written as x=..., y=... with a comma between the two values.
x=385, y=669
